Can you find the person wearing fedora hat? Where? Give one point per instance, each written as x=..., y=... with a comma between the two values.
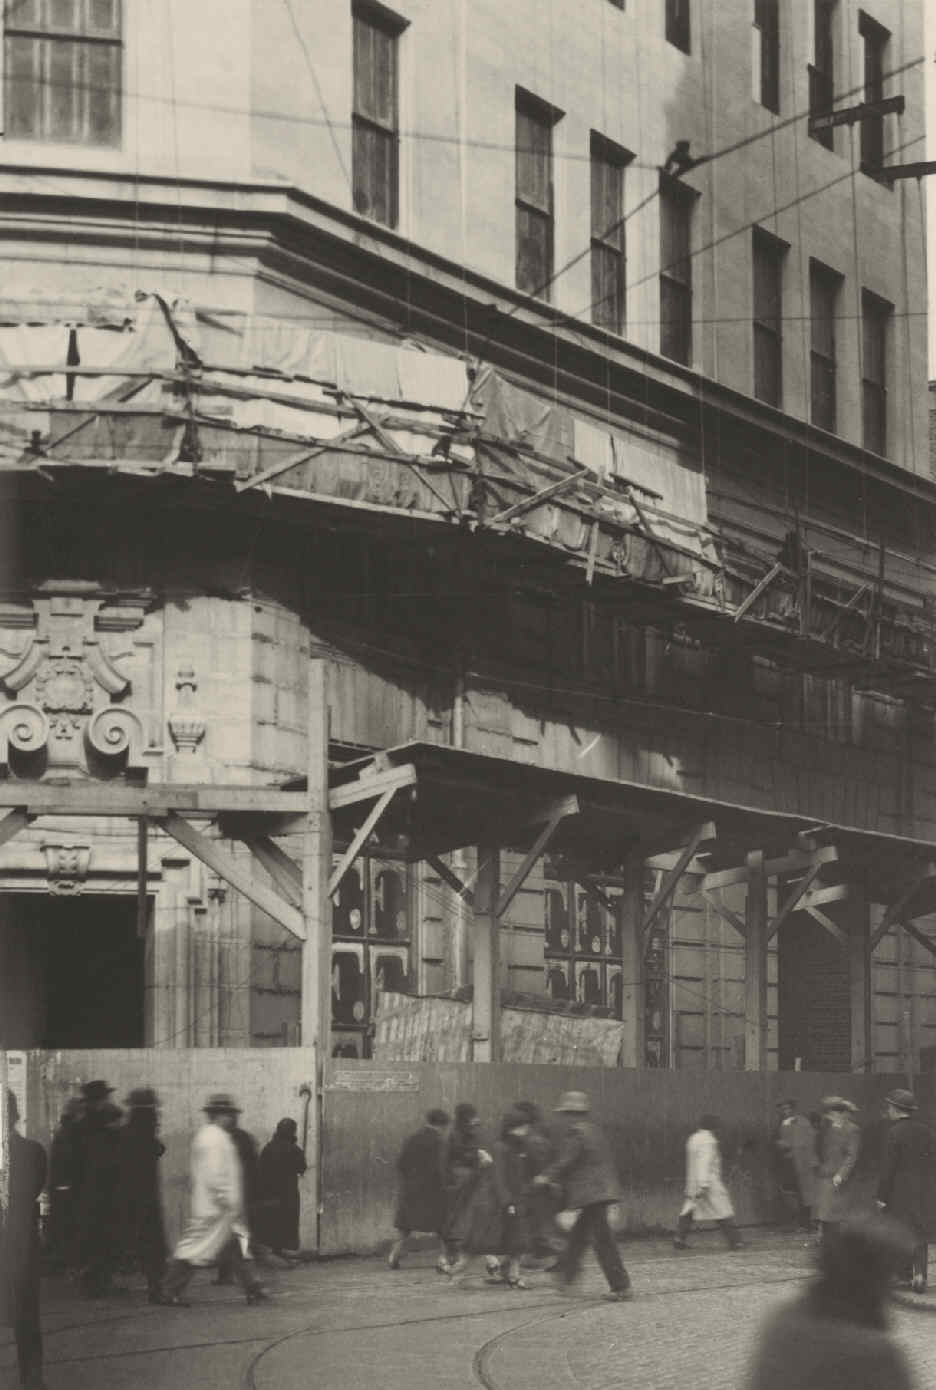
x=140, y=1218
x=839, y=1146
x=97, y=1163
x=19, y=1250
x=584, y=1170
x=216, y=1223
x=906, y=1186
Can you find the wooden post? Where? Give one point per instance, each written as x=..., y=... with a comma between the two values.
x=755, y=966
x=859, y=981
x=485, y=1008
x=315, y=1017
x=4, y=1134
x=629, y=911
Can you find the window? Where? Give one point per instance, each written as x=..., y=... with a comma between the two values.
x=823, y=296
x=608, y=264
x=675, y=271
x=822, y=72
x=768, y=255
x=872, y=127
x=534, y=197
x=582, y=946
x=767, y=53
x=875, y=314
x=62, y=71
x=371, y=935
x=677, y=24
x=375, y=143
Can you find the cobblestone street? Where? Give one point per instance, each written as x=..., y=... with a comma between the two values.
x=351, y=1324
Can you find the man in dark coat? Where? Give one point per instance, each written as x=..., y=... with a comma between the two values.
x=19, y=1250
x=140, y=1218
x=907, y=1177
x=246, y=1147
x=584, y=1169
x=421, y=1200
x=96, y=1201
x=282, y=1164
x=63, y=1176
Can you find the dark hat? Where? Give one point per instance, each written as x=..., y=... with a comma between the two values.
x=96, y=1090
x=573, y=1103
x=438, y=1118
x=143, y=1098
x=838, y=1103
x=901, y=1100
x=220, y=1103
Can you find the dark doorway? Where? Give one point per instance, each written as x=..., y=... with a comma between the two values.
x=814, y=1002
x=72, y=971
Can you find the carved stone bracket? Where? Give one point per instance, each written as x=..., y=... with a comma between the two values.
x=23, y=728
x=67, y=867
x=186, y=724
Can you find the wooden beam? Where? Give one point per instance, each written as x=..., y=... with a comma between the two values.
x=670, y=882
x=13, y=822
x=726, y=913
x=452, y=879
x=543, y=495
x=896, y=910
x=825, y=921
x=818, y=897
x=485, y=995
x=368, y=788
x=217, y=859
x=285, y=872
x=785, y=864
x=568, y=806
x=142, y=904
x=755, y=967
x=759, y=588
x=120, y=799
x=793, y=899
x=926, y=941
x=360, y=838
x=294, y=460
x=591, y=890
x=859, y=979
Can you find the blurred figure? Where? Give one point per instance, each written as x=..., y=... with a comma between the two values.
x=98, y=1155
x=834, y=1336
x=584, y=1171
x=512, y=1182
x=707, y=1196
x=839, y=1146
x=798, y=1160
x=908, y=1173
x=465, y=1163
x=541, y=1203
x=282, y=1164
x=421, y=1199
x=140, y=1217
x=19, y=1250
x=216, y=1224
x=249, y=1158
x=63, y=1177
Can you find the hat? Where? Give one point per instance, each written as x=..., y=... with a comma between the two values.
x=838, y=1103
x=573, y=1103
x=96, y=1090
x=143, y=1098
x=901, y=1100
x=219, y=1102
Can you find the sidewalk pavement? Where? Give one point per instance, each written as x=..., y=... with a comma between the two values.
x=351, y=1324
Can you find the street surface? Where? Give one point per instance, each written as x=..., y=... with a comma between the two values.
x=353, y=1324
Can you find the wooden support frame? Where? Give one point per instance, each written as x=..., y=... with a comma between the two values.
x=543, y=495
x=755, y=966
x=702, y=833
x=452, y=879
x=568, y=806
x=896, y=911
x=13, y=822
x=361, y=835
x=833, y=928
x=726, y=913
x=485, y=999
x=925, y=941
x=760, y=587
x=142, y=912
x=794, y=899
x=284, y=871
x=591, y=890
x=367, y=787
x=211, y=853
x=294, y=460
x=795, y=861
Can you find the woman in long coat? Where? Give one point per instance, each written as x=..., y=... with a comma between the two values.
x=908, y=1173
x=839, y=1146
x=471, y=1199
x=138, y=1202
x=511, y=1231
x=421, y=1196
x=282, y=1164
x=707, y=1196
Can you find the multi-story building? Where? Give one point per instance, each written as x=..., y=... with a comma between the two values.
x=562, y=377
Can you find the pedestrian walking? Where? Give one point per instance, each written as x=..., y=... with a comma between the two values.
x=282, y=1164
x=19, y=1250
x=63, y=1180
x=707, y=1196
x=139, y=1207
x=839, y=1146
x=541, y=1202
x=98, y=1153
x=908, y=1174
x=249, y=1159
x=469, y=1195
x=421, y=1200
x=797, y=1161
x=511, y=1236
x=584, y=1171
x=835, y=1335
x=217, y=1220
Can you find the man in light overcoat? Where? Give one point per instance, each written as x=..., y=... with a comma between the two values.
x=839, y=1146
x=707, y=1196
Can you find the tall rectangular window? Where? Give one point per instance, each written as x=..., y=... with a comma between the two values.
x=677, y=24
x=824, y=287
x=63, y=66
x=822, y=71
x=768, y=255
x=608, y=263
x=375, y=137
x=767, y=53
x=534, y=194
x=875, y=314
x=676, y=271
x=874, y=38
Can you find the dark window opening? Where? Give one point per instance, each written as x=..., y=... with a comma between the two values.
x=767, y=23
x=375, y=137
x=824, y=285
x=822, y=73
x=534, y=195
x=875, y=39
x=875, y=314
x=676, y=271
x=677, y=24
x=608, y=260
x=768, y=255
x=63, y=66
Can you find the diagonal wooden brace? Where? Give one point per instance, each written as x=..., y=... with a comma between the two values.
x=360, y=838
x=793, y=899
x=926, y=941
x=13, y=822
x=218, y=860
x=671, y=878
x=831, y=927
x=452, y=879
x=897, y=910
x=284, y=872
x=543, y=495
x=568, y=806
x=729, y=916
x=761, y=587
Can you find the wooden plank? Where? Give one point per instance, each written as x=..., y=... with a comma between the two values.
x=817, y=897
x=485, y=996
x=285, y=872
x=452, y=879
x=543, y=495
x=785, y=864
x=726, y=913
x=112, y=799
x=825, y=921
x=142, y=905
x=670, y=881
x=368, y=788
x=794, y=899
x=13, y=822
x=925, y=941
x=859, y=982
x=758, y=589
x=211, y=853
x=755, y=967
x=294, y=460
x=360, y=838
x=567, y=807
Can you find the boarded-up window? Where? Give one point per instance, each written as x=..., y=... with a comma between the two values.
x=534, y=195
x=374, y=119
x=875, y=314
x=675, y=271
x=608, y=265
x=63, y=62
x=823, y=296
x=768, y=321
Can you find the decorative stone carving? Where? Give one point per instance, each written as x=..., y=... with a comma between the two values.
x=67, y=866
x=24, y=728
x=186, y=725
x=114, y=731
